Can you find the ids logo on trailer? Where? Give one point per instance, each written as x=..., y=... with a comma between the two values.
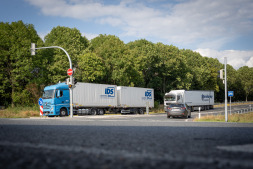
x=206, y=97
x=148, y=94
x=110, y=91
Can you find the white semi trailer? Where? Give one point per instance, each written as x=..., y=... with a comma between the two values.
x=95, y=99
x=193, y=98
x=90, y=98
x=134, y=99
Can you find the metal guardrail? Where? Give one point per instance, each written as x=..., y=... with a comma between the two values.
x=244, y=111
x=236, y=103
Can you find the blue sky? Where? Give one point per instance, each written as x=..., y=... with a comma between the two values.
x=214, y=28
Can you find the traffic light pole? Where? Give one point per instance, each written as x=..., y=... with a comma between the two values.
x=226, y=98
x=33, y=48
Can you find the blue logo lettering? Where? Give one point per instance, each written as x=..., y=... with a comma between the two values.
x=206, y=97
x=110, y=91
x=148, y=94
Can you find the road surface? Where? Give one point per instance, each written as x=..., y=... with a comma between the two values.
x=129, y=141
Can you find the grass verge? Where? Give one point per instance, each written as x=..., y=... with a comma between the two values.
x=237, y=118
x=20, y=112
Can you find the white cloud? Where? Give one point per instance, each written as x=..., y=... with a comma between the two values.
x=43, y=34
x=204, y=24
x=89, y=36
x=250, y=62
x=196, y=21
x=235, y=58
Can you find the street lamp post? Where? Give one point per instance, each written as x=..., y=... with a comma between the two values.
x=33, y=48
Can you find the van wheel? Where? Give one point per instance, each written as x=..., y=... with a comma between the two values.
x=63, y=112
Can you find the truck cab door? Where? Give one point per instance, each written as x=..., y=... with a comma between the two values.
x=62, y=100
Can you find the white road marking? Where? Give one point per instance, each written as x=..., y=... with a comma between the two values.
x=248, y=148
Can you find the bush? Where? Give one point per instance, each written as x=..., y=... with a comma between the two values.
x=20, y=112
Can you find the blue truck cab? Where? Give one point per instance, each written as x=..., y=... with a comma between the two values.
x=56, y=100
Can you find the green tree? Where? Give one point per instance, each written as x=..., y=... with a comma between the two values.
x=69, y=39
x=245, y=75
x=18, y=67
x=118, y=63
x=90, y=68
x=204, y=77
x=162, y=66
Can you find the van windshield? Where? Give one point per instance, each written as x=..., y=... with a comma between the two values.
x=170, y=98
x=48, y=94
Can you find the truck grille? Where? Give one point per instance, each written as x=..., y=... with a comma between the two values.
x=46, y=105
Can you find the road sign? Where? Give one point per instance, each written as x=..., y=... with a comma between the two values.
x=41, y=110
x=70, y=72
x=40, y=101
x=230, y=93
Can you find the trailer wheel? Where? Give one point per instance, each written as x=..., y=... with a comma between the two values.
x=63, y=112
x=101, y=111
x=94, y=112
x=141, y=111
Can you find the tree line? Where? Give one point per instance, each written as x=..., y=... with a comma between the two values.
x=108, y=60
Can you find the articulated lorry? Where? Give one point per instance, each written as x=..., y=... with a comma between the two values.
x=193, y=98
x=96, y=99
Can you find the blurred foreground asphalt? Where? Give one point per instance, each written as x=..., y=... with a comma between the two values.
x=130, y=141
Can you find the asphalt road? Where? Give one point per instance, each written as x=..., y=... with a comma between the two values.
x=127, y=141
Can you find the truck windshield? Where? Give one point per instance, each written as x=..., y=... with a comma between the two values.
x=170, y=98
x=48, y=94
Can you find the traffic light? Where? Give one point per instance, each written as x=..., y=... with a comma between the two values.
x=220, y=74
x=67, y=81
x=74, y=80
x=33, y=50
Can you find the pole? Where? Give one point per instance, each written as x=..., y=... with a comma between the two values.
x=71, y=96
x=147, y=108
x=199, y=112
x=230, y=105
x=226, y=100
x=71, y=77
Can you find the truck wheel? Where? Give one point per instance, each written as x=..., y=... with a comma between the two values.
x=141, y=111
x=101, y=111
x=94, y=112
x=63, y=112
x=135, y=111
